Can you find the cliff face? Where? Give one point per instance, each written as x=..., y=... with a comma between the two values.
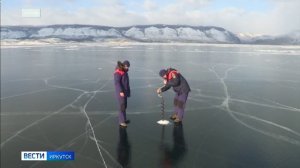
x=149, y=33
x=143, y=33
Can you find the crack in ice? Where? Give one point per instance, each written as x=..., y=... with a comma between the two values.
x=36, y=122
x=281, y=107
x=225, y=106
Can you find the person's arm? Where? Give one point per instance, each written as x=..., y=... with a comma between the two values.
x=165, y=88
x=119, y=89
x=175, y=81
x=128, y=87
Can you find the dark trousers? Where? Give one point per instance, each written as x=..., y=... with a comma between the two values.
x=122, y=103
x=179, y=104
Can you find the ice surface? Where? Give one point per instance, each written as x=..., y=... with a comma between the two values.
x=243, y=110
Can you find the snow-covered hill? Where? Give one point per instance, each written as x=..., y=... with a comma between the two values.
x=287, y=39
x=145, y=33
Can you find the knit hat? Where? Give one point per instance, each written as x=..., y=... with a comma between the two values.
x=127, y=63
x=162, y=72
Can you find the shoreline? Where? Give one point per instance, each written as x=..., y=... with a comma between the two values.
x=122, y=43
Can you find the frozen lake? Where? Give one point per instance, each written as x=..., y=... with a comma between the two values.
x=243, y=111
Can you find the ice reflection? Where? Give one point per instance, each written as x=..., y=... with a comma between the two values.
x=172, y=156
x=124, y=148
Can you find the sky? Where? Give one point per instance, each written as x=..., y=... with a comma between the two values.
x=271, y=17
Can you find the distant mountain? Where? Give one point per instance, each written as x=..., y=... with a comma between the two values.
x=142, y=33
x=287, y=39
x=145, y=33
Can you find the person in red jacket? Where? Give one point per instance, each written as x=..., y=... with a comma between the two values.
x=122, y=88
x=172, y=78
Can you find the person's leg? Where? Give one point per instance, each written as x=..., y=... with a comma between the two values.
x=125, y=102
x=181, y=105
x=125, y=115
x=176, y=109
x=122, y=109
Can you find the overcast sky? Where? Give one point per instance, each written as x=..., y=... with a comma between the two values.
x=271, y=17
